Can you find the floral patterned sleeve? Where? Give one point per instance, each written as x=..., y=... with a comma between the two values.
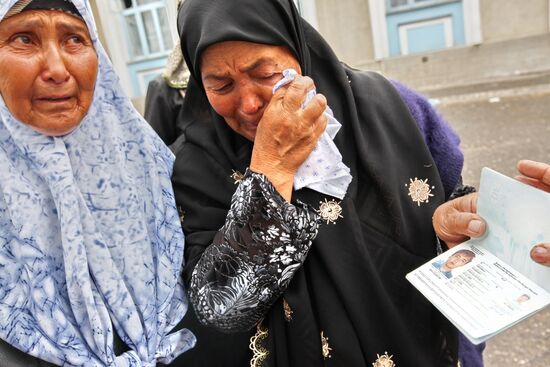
x=254, y=256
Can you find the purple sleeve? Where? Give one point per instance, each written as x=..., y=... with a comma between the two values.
x=470, y=355
x=438, y=135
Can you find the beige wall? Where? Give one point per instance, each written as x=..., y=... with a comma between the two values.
x=345, y=24
x=99, y=25
x=511, y=19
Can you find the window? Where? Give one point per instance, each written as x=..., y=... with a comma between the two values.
x=398, y=5
x=146, y=24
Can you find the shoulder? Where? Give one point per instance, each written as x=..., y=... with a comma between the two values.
x=376, y=99
x=420, y=107
x=159, y=92
x=409, y=95
x=371, y=84
x=377, y=88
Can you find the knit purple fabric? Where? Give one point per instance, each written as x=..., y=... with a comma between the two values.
x=470, y=355
x=440, y=138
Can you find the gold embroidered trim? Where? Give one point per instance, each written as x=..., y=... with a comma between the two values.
x=181, y=213
x=330, y=211
x=384, y=360
x=237, y=177
x=259, y=352
x=325, y=347
x=288, y=311
x=420, y=191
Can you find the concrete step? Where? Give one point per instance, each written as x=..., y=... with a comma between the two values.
x=491, y=90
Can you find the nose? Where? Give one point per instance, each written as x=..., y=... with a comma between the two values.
x=55, y=68
x=251, y=100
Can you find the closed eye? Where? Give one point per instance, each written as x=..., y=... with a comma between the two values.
x=269, y=76
x=221, y=88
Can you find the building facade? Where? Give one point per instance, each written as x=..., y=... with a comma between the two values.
x=425, y=43
x=437, y=43
x=140, y=34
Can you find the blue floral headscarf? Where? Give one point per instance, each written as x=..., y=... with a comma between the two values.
x=90, y=238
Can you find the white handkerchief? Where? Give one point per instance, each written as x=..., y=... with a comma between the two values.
x=323, y=170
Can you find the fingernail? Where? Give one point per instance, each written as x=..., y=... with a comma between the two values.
x=474, y=227
x=541, y=251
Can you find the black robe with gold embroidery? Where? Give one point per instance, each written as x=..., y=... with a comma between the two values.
x=349, y=302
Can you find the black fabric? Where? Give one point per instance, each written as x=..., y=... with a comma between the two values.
x=62, y=5
x=13, y=357
x=213, y=349
x=163, y=107
x=352, y=286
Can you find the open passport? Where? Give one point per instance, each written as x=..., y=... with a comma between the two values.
x=484, y=286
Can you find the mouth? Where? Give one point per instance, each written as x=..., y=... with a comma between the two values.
x=55, y=99
x=250, y=125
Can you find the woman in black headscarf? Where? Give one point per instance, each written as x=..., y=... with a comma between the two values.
x=247, y=236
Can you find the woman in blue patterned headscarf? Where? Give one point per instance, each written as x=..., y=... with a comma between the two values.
x=90, y=240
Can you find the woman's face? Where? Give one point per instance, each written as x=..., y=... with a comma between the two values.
x=238, y=78
x=48, y=69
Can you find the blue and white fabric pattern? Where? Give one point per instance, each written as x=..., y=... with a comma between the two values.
x=323, y=171
x=90, y=237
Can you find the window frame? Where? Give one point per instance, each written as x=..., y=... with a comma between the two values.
x=414, y=5
x=136, y=11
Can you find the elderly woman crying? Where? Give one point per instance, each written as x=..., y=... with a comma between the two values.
x=90, y=240
x=302, y=221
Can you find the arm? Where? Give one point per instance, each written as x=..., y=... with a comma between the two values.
x=239, y=271
x=253, y=257
x=287, y=133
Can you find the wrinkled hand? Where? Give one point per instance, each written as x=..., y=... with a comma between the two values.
x=287, y=134
x=537, y=174
x=456, y=221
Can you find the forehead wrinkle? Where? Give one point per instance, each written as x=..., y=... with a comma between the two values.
x=216, y=71
x=215, y=68
x=71, y=26
x=255, y=64
x=29, y=21
x=39, y=19
x=232, y=63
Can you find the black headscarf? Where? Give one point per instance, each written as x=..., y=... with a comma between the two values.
x=352, y=286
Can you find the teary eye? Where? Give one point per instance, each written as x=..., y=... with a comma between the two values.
x=22, y=38
x=76, y=39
